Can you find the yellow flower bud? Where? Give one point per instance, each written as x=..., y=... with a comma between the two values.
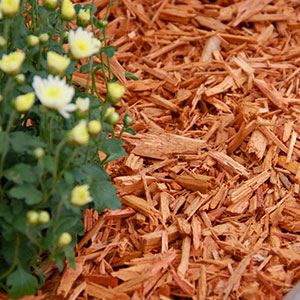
x=9, y=7
x=57, y=64
x=32, y=41
x=44, y=217
x=79, y=134
x=44, y=38
x=32, y=217
x=24, y=102
x=84, y=17
x=38, y=152
x=50, y=4
x=11, y=63
x=80, y=195
x=115, y=92
x=64, y=239
x=94, y=127
x=68, y=12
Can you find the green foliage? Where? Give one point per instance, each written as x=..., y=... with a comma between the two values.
x=46, y=154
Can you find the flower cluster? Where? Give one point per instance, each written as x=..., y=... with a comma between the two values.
x=52, y=126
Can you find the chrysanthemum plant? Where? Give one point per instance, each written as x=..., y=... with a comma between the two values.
x=51, y=130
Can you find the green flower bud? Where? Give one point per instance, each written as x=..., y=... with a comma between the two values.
x=44, y=217
x=44, y=38
x=50, y=4
x=32, y=41
x=20, y=79
x=32, y=217
x=84, y=17
x=64, y=239
x=113, y=118
x=127, y=120
x=3, y=41
x=38, y=152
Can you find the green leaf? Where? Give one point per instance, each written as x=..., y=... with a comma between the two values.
x=21, y=283
x=109, y=51
x=104, y=195
x=112, y=147
x=23, y=142
x=20, y=173
x=84, y=68
x=27, y=192
x=131, y=76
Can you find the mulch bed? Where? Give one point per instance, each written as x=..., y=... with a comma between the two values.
x=210, y=186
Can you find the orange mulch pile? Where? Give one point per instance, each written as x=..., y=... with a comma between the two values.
x=210, y=187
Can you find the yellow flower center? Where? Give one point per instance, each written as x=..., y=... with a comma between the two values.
x=52, y=92
x=82, y=45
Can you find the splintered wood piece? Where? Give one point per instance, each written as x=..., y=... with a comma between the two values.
x=141, y=205
x=152, y=240
x=293, y=166
x=271, y=93
x=236, y=276
x=227, y=162
x=166, y=49
x=196, y=232
x=184, y=262
x=163, y=145
x=160, y=101
x=249, y=186
x=69, y=277
x=195, y=182
x=257, y=144
x=211, y=23
x=270, y=135
x=100, y=292
x=291, y=146
x=132, y=184
x=202, y=284
x=183, y=284
x=247, y=9
x=184, y=226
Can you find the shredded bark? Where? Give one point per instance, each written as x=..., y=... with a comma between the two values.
x=210, y=186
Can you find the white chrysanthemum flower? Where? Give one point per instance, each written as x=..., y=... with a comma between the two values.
x=82, y=104
x=54, y=93
x=82, y=43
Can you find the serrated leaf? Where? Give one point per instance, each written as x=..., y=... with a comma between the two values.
x=23, y=142
x=104, y=195
x=113, y=148
x=27, y=192
x=109, y=51
x=21, y=283
x=20, y=173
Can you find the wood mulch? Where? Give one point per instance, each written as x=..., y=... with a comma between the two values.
x=210, y=187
